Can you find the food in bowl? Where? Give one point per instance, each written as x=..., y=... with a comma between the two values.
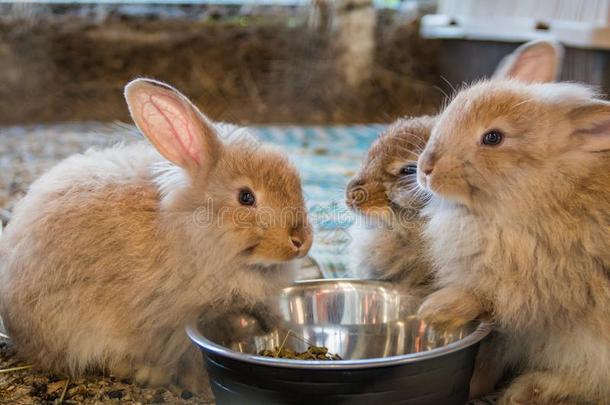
x=312, y=353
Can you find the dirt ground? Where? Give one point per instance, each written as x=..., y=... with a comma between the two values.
x=247, y=65
x=32, y=387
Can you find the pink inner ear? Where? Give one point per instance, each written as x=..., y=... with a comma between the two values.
x=170, y=127
x=534, y=66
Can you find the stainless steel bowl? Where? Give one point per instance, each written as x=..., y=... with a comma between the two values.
x=369, y=324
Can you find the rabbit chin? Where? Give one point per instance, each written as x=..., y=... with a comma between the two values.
x=455, y=189
x=264, y=257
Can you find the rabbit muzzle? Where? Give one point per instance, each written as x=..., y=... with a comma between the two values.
x=366, y=198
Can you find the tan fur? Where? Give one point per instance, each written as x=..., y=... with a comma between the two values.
x=386, y=239
x=111, y=252
x=521, y=231
x=385, y=248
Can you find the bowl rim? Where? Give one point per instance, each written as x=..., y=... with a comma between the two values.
x=482, y=330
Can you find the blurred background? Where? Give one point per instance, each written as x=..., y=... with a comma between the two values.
x=319, y=61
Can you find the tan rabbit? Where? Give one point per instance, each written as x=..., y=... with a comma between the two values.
x=384, y=194
x=111, y=252
x=519, y=228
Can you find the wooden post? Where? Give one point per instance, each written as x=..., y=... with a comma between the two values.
x=353, y=32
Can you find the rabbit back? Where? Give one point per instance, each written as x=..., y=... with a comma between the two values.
x=78, y=244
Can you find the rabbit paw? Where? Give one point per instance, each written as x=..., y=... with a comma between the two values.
x=152, y=376
x=538, y=388
x=122, y=370
x=268, y=318
x=192, y=375
x=450, y=308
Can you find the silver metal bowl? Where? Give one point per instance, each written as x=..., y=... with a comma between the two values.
x=369, y=324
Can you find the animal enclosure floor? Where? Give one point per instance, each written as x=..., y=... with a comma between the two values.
x=31, y=387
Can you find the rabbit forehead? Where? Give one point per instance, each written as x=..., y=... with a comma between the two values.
x=266, y=171
x=400, y=143
x=510, y=98
x=481, y=105
x=520, y=110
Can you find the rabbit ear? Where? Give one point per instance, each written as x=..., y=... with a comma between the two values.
x=534, y=62
x=179, y=131
x=592, y=126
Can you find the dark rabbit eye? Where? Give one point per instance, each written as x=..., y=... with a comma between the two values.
x=492, y=138
x=408, y=169
x=246, y=197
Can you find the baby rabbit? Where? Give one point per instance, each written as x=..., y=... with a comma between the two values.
x=113, y=251
x=385, y=195
x=519, y=228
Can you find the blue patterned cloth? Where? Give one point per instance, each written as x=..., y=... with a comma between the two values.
x=327, y=157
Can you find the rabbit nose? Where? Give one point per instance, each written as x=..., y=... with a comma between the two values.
x=426, y=165
x=300, y=237
x=355, y=193
x=296, y=242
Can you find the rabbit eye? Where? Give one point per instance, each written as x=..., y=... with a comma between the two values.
x=246, y=197
x=407, y=170
x=492, y=138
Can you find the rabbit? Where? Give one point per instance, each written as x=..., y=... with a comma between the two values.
x=519, y=229
x=112, y=251
x=387, y=239
x=389, y=216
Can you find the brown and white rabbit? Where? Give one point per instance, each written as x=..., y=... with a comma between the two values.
x=112, y=251
x=387, y=242
x=386, y=237
x=519, y=228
